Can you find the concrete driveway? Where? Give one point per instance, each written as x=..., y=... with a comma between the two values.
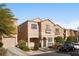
x=74, y=53
x=52, y=54
x=14, y=51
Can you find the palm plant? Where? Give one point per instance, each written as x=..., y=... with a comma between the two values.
x=6, y=23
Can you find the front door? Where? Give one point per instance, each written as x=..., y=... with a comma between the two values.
x=44, y=42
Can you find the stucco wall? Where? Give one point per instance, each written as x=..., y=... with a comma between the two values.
x=9, y=42
x=43, y=28
x=61, y=31
x=33, y=32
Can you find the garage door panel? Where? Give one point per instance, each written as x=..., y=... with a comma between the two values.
x=9, y=42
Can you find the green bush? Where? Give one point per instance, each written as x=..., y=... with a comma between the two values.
x=56, y=46
x=3, y=51
x=71, y=39
x=59, y=41
x=1, y=44
x=22, y=45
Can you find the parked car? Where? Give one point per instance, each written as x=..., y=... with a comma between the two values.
x=76, y=45
x=67, y=47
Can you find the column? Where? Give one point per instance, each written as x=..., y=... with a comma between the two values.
x=28, y=43
x=41, y=43
x=47, y=43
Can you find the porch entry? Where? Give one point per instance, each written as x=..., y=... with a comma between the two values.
x=35, y=42
x=44, y=42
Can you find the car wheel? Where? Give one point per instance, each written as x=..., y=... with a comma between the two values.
x=59, y=49
x=67, y=50
x=73, y=49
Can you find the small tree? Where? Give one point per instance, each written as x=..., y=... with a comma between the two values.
x=58, y=41
x=22, y=45
x=6, y=21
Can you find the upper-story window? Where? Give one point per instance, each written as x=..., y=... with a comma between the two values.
x=57, y=31
x=34, y=26
x=47, y=27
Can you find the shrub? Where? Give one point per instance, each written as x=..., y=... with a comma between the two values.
x=71, y=39
x=59, y=41
x=56, y=45
x=22, y=45
x=3, y=51
x=1, y=44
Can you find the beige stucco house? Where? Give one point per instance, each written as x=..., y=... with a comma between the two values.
x=70, y=32
x=38, y=32
x=47, y=33
x=59, y=31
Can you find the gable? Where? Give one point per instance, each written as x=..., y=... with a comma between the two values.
x=48, y=21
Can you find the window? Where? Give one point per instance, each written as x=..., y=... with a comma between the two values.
x=34, y=26
x=47, y=27
x=48, y=30
x=50, y=39
x=57, y=31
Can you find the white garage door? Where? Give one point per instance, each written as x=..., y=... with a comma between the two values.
x=9, y=42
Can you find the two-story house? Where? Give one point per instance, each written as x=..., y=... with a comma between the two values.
x=59, y=31
x=41, y=33
x=47, y=33
x=37, y=32
x=70, y=32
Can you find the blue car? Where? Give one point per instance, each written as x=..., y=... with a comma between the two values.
x=67, y=47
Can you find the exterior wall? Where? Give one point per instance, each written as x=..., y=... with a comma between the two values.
x=61, y=31
x=23, y=31
x=70, y=32
x=67, y=33
x=32, y=33
x=43, y=29
x=9, y=42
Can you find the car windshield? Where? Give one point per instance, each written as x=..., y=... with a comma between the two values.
x=68, y=44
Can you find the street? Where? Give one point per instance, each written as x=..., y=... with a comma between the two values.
x=75, y=53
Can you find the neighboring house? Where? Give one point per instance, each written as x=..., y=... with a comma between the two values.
x=10, y=41
x=70, y=32
x=59, y=31
x=40, y=33
x=66, y=33
x=47, y=33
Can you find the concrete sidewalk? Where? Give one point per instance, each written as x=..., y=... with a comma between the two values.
x=30, y=53
x=14, y=51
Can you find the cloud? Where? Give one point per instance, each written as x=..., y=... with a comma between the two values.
x=69, y=24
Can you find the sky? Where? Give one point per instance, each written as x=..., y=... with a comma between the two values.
x=66, y=15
